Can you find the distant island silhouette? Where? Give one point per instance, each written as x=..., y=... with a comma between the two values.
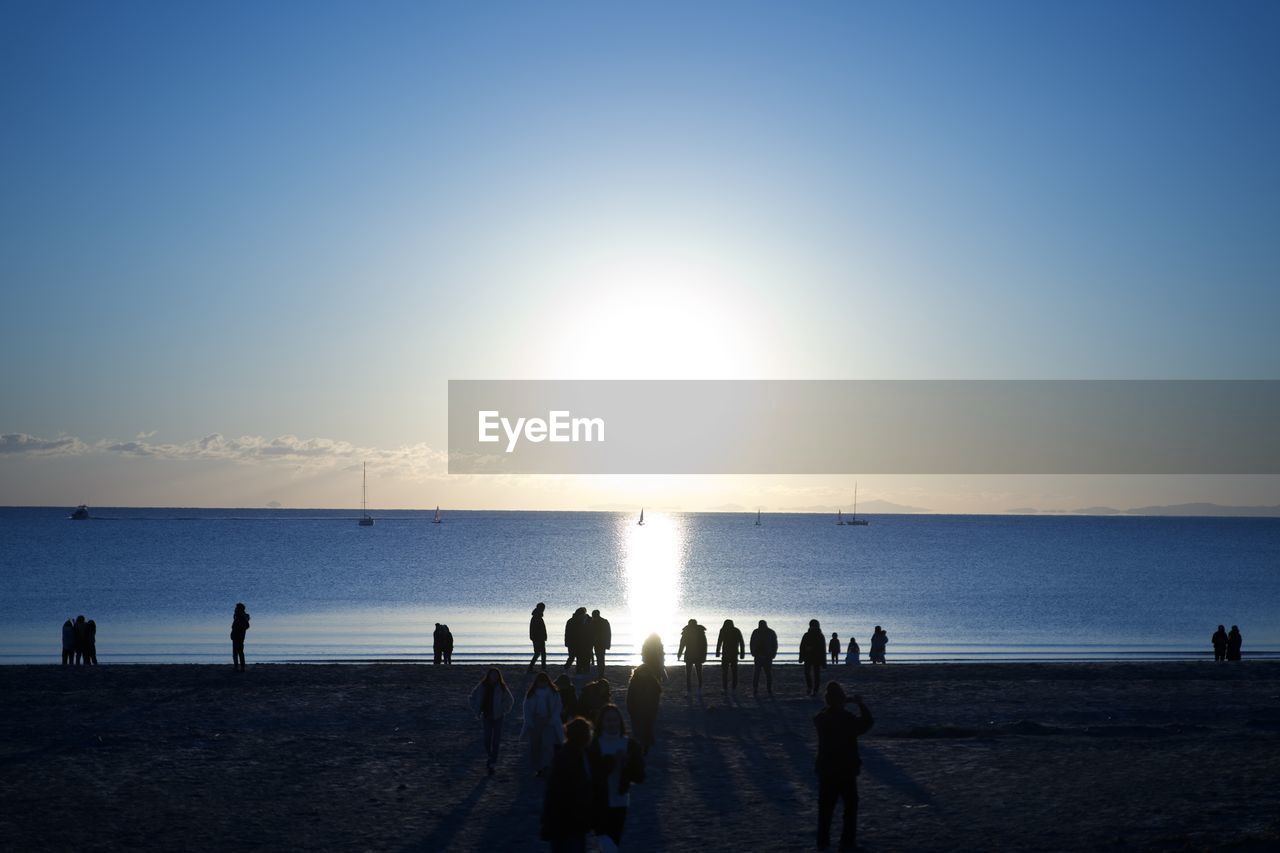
x=1188, y=509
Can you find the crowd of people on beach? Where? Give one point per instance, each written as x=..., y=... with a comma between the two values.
x=79, y=642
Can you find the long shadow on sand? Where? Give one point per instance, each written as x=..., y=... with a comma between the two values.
x=450, y=824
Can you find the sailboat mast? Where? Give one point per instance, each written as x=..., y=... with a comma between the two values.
x=364, y=489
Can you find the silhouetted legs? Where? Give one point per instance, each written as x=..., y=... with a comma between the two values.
x=812, y=677
x=835, y=658
x=492, y=739
x=765, y=666
x=728, y=671
x=68, y=657
x=689, y=668
x=584, y=662
x=829, y=791
x=237, y=656
x=539, y=650
x=600, y=660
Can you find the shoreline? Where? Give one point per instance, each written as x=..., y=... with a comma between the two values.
x=1027, y=756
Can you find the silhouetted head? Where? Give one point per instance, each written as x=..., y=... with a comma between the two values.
x=577, y=733
x=437, y=626
x=80, y=619
x=541, y=607
x=609, y=722
x=1222, y=627
x=834, y=635
x=813, y=623
x=878, y=628
x=595, y=613
x=239, y=607
x=728, y=623
x=564, y=682
x=693, y=622
x=835, y=695
x=581, y=611
x=494, y=676
x=91, y=622
x=764, y=624
x=1235, y=629
x=541, y=680
x=67, y=624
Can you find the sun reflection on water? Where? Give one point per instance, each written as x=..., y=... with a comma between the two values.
x=653, y=564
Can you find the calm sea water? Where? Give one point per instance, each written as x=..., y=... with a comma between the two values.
x=162, y=583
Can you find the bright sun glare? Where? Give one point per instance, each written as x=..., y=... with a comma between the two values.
x=653, y=563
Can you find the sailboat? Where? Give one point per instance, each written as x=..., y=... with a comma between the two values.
x=840, y=518
x=81, y=513
x=854, y=520
x=366, y=520
x=436, y=520
x=757, y=518
x=641, y=516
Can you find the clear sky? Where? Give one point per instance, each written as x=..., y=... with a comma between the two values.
x=300, y=220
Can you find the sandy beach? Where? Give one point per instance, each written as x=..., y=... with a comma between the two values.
x=386, y=757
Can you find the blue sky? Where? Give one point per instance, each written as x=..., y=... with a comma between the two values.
x=302, y=219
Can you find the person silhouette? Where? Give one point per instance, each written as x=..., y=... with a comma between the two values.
x=448, y=644
x=78, y=632
x=851, y=657
x=654, y=656
x=601, y=638
x=813, y=655
x=879, y=640
x=569, y=807
x=838, y=764
x=1219, y=640
x=693, y=647
x=239, y=627
x=491, y=701
x=542, y=725
x=731, y=643
x=91, y=643
x=69, y=642
x=834, y=648
x=617, y=763
x=644, y=692
x=568, y=697
x=577, y=639
x=764, y=648
x=538, y=636
x=1234, y=642
x=437, y=645
x=594, y=696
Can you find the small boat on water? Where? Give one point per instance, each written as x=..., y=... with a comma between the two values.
x=641, y=522
x=366, y=520
x=854, y=521
x=840, y=518
x=437, y=519
x=81, y=513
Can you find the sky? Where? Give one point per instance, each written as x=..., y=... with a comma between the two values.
x=243, y=247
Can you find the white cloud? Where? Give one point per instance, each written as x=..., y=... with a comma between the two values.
x=21, y=443
x=414, y=461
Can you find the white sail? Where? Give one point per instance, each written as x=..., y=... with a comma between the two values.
x=641, y=515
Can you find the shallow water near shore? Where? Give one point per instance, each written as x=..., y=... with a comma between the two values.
x=161, y=583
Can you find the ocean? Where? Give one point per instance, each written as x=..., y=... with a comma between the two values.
x=162, y=583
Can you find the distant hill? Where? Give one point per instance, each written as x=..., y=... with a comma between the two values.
x=1189, y=509
x=873, y=506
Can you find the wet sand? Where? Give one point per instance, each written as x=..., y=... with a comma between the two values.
x=1177, y=756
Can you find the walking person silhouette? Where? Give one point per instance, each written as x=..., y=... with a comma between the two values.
x=834, y=648
x=879, y=640
x=693, y=647
x=538, y=636
x=617, y=763
x=813, y=655
x=764, y=648
x=601, y=638
x=491, y=701
x=239, y=627
x=729, y=642
x=1234, y=642
x=838, y=764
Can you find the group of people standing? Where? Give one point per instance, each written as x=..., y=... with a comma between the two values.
x=442, y=645
x=853, y=653
x=79, y=642
x=586, y=637
x=1227, y=645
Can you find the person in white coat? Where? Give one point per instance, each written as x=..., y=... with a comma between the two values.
x=491, y=701
x=542, y=725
